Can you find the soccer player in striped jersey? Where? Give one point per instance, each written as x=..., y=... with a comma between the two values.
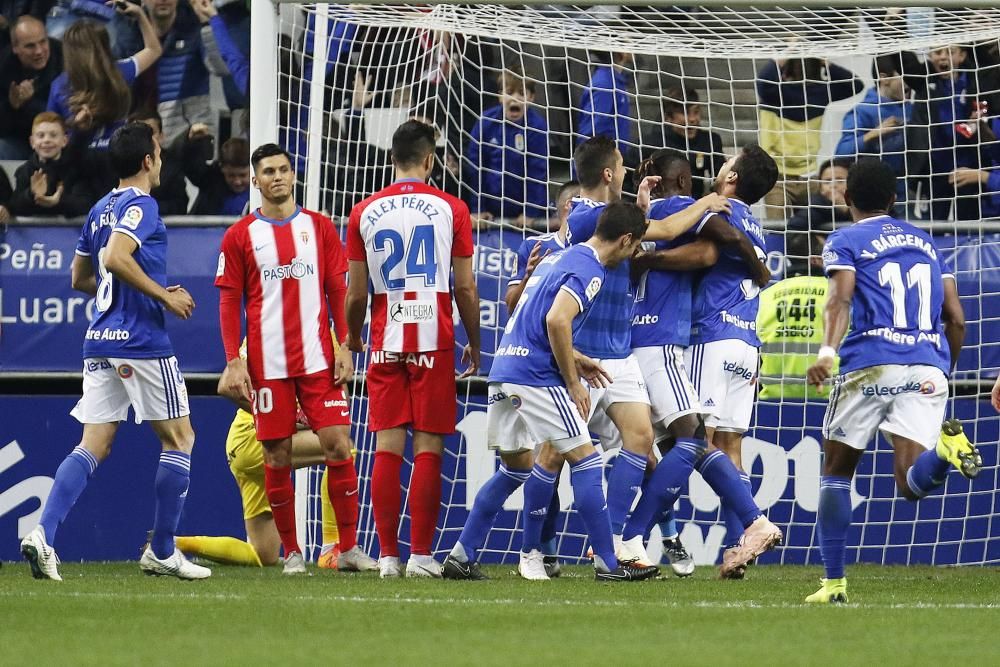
x=121, y=259
x=537, y=401
x=288, y=265
x=661, y=330
x=404, y=242
x=894, y=296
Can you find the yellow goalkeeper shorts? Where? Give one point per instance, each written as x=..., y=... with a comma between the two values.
x=246, y=461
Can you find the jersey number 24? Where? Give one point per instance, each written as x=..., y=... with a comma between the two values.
x=417, y=251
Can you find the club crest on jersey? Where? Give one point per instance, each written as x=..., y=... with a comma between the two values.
x=516, y=401
x=519, y=142
x=125, y=371
x=304, y=235
x=132, y=217
x=412, y=312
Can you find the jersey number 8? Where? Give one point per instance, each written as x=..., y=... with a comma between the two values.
x=105, y=280
x=418, y=252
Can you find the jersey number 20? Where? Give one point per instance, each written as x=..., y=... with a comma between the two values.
x=418, y=253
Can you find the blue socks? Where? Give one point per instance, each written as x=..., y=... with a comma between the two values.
x=489, y=501
x=537, y=499
x=833, y=518
x=172, y=477
x=927, y=473
x=549, y=525
x=665, y=485
x=734, y=489
x=734, y=526
x=585, y=475
x=624, y=482
x=71, y=479
x=668, y=527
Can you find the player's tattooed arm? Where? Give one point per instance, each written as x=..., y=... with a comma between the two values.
x=723, y=233
x=672, y=226
x=836, y=319
x=82, y=275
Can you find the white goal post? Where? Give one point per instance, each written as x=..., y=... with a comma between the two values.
x=331, y=82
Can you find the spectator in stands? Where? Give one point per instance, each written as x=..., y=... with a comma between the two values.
x=606, y=106
x=507, y=156
x=54, y=181
x=223, y=185
x=26, y=74
x=950, y=97
x=178, y=87
x=876, y=126
x=807, y=230
x=230, y=28
x=65, y=13
x=987, y=178
x=171, y=194
x=681, y=130
x=5, y=194
x=794, y=94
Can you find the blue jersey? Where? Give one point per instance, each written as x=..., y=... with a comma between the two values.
x=551, y=243
x=663, y=298
x=524, y=355
x=725, y=297
x=898, y=294
x=608, y=334
x=126, y=323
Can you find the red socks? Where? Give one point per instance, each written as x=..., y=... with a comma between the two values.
x=342, y=487
x=425, y=501
x=386, y=501
x=281, y=496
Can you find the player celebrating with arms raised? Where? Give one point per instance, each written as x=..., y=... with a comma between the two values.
x=406, y=239
x=288, y=264
x=121, y=258
x=893, y=295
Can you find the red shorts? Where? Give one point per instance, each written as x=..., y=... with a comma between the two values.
x=416, y=388
x=274, y=404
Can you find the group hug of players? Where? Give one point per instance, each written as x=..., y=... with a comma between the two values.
x=633, y=321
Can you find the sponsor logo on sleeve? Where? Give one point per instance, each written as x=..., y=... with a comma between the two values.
x=222, y=265
x=593, y=288
x=131, y=218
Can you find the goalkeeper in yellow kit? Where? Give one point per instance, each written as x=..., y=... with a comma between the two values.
x=246, y=461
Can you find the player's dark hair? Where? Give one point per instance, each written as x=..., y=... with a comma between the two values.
x=871, y=185
x=665, y=163
x=757, y=172
x=265, y=151
x=620, y=218
x=591, y=158
x=412, y=142
x=128, y=148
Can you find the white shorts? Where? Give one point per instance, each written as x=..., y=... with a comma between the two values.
x=153, y=387
x=627, y=384
x=519, y=418
x=908, y=401
x=671, y=393
x=724, y=373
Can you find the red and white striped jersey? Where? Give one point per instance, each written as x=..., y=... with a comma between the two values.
x=407, y=233
x=284, y=268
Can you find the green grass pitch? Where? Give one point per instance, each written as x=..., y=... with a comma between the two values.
x=110, y=614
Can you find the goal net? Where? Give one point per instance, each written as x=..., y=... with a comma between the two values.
x=512, y=90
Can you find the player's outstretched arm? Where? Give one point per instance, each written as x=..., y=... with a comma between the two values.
x=836, y=319
x=954, y=319
x=723, y=233
x=672, y=226
x=467, y=299
x=118, y=260
x=699, y=254
x=559, y=325
x=82, y=276
x=356, y=303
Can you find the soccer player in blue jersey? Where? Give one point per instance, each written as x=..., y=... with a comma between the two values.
x=531, y=251
x=723, y=354
x=894, y=296
x=607, y=336
x=128, y=360
x=537, y=398
x=661, y=329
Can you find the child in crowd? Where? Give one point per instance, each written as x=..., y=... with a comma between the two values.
x=53, y=181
